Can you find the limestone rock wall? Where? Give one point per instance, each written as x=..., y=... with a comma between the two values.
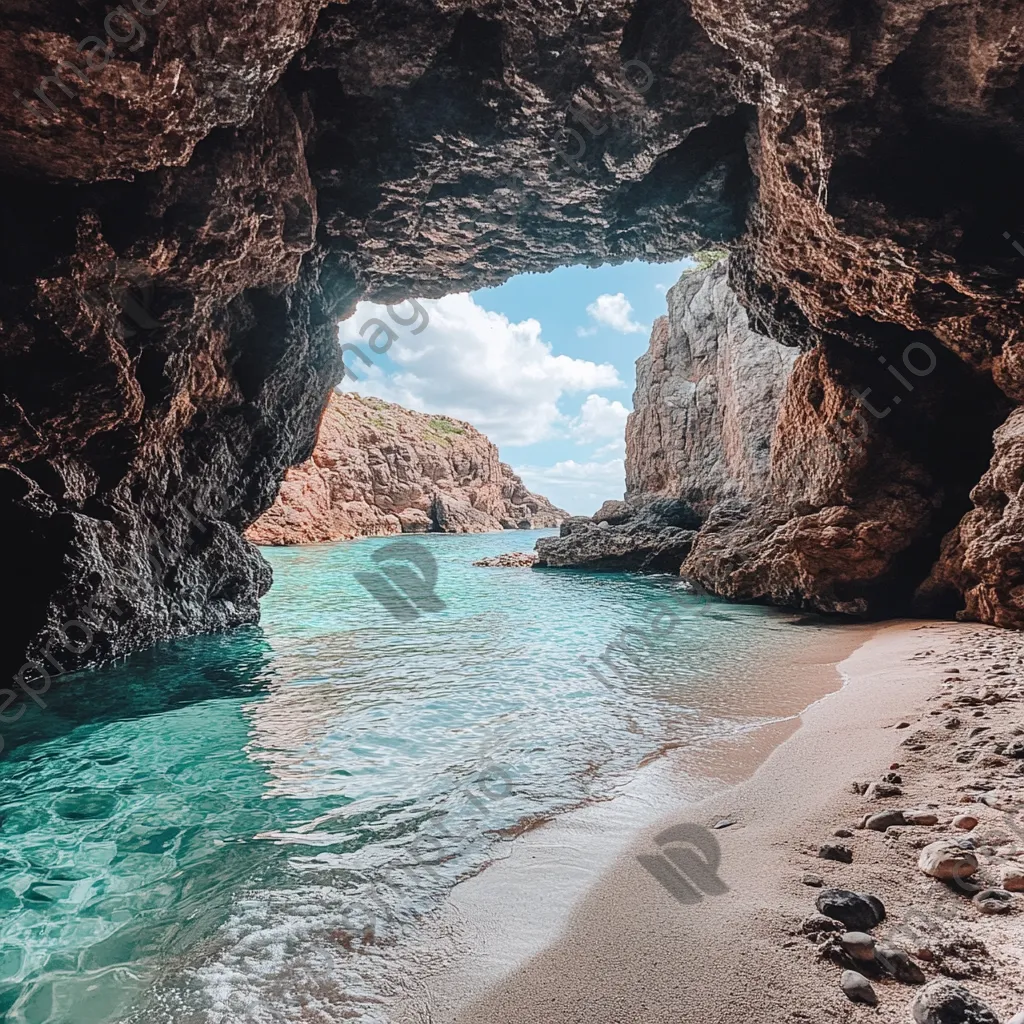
x=708, y=392
x=379, y=469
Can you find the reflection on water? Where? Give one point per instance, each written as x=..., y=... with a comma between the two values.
x=248, y=827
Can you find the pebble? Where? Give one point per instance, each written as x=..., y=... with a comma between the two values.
x=859, y=945
x=817, y=924
x=881, y=790
x=920, y=818
x=965, y=821
x=898, y=964
x=947, y=860
x=1012, y=878
x=843, y=833
x=809, y=878
x=836, y=851
x=945, y=1002
x=858, y=988
x=724, y=823
x=993, y=901
x=860, y=912
x=884, y=819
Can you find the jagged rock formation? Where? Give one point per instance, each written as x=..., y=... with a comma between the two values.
x=653, y=535
x=707, y=396
x=379, y=469
x=198, y=193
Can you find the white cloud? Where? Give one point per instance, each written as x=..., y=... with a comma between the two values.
x=599, y=418
x=472, y=364
x=578, y=487
x=615, y=311
x=617, y=448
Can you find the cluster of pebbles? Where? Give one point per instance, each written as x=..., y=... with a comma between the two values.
x=952, y=810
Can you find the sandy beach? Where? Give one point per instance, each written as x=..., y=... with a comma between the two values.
x=571, y=927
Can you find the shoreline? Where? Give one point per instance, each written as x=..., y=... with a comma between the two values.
x=569, y=927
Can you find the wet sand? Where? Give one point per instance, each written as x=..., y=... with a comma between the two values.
x=570, y=926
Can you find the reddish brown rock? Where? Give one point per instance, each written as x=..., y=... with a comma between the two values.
x=983, y=557
x=181, y=240
x=379, y=469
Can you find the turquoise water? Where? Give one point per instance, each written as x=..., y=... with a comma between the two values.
x=250, y=827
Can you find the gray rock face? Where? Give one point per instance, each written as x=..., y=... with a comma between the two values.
x=652, y=537
x=945, y=1002
x=708, y=392
x=858, y=988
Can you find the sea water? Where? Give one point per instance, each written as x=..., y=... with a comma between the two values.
x=255, y=826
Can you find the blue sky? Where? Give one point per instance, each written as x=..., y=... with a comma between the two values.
x=543, y=365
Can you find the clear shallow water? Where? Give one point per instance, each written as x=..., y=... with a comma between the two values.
x=249, y=827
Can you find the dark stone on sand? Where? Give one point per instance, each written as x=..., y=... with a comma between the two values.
x=945, y=1002
x=860, y=912
x=836, y=851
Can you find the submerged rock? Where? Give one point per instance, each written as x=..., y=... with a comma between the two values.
x=513, y=560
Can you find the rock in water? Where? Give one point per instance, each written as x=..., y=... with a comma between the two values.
x=858, y=911
x=513, y=560
x=655, y=536
x=379, y=469
x=858, y=988
x=947, y=860
x=945, y=1002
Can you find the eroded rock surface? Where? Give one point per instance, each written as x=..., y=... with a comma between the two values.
x=810, y=499
x=707, y=397
x=379, y=469
x=187, y=216
x=652, y=536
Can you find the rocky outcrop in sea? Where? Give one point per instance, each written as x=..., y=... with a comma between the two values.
x=380, y=469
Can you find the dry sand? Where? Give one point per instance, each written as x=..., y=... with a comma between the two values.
x=571, y=928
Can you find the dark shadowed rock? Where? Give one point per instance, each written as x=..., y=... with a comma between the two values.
x=897, y=963
x=858, y=988
x=654, y=536
x=858, y=911
x=946, y=1002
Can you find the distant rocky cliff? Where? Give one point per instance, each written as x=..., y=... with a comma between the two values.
x=805, y=492
x=379, y=469
x=708, y=392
